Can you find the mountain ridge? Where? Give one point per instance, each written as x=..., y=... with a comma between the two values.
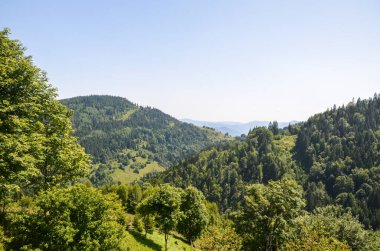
x=234, y=128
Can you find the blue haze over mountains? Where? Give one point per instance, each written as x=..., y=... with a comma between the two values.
x=235, y=128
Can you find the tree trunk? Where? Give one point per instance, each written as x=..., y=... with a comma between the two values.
x=166, y=241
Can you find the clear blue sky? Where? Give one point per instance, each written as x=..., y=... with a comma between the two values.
x=208, y=60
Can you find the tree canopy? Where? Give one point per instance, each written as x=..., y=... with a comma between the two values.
x=267, y=214
x=75, y=218
x=195, y=218
x=164, y=204
x=37, y=147
x=339, y=150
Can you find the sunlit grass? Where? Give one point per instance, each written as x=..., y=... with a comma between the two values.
x=137, y=242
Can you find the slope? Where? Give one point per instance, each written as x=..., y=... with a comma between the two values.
x=335, y=155
x=221, y=172
x=128, y=141
x=340, y=151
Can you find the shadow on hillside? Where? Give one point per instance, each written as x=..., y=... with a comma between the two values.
x=177, y=237
x=141, y=238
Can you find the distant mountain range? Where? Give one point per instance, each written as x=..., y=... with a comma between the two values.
x=235, y=128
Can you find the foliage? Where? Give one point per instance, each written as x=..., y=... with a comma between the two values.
x=213, y=212
x=148, y=223
x=2, y=239
x=313, y=238
x=76, y=218
x=138, y=223
x=373, y=241
x=328, y=228
x=37, y=149
x=339, y=223
x=219, y=238
x=267, y=214
x=164, y=204
x=194, y=214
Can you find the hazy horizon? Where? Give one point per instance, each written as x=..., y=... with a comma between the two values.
x=213, y=61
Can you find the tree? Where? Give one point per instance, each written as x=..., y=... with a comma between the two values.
x=194, y=214
x=213, y=212
x=316, y=195
x=221, y=238
x=37, y=149
x=267, y=213
x=75, y=218
x=312, y=237
x=148, y=222
x=273, y=127
x=339, y=223
x=164, y=204
x=134, y=197
x=330, y=228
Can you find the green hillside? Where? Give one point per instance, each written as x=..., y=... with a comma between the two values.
x=128, y=141
x=335, y=155
x=339, y=150
x=221, y=172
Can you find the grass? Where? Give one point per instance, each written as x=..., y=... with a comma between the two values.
x=144, y=164
x=128, y=175
x=137, y=242
x=126, y=115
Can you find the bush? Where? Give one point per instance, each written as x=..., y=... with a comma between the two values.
x=138, y=224
x=219, y=238
x=76, y=218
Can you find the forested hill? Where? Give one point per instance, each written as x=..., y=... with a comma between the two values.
x=222, y=172
x=127, y=141
x=348, y=133
x=335, y=155
x=340, y=151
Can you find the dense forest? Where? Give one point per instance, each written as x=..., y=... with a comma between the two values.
x=310, y=186
x=335, y=155
x=221, y=172
x=340, y=152
x=127, y=140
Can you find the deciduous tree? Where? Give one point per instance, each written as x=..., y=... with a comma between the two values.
x=76, y=218
x=267, y=213
x=194, y=214
x=164, y=204
x=37, y=149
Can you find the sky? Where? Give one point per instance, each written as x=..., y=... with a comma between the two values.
x=210, y=60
